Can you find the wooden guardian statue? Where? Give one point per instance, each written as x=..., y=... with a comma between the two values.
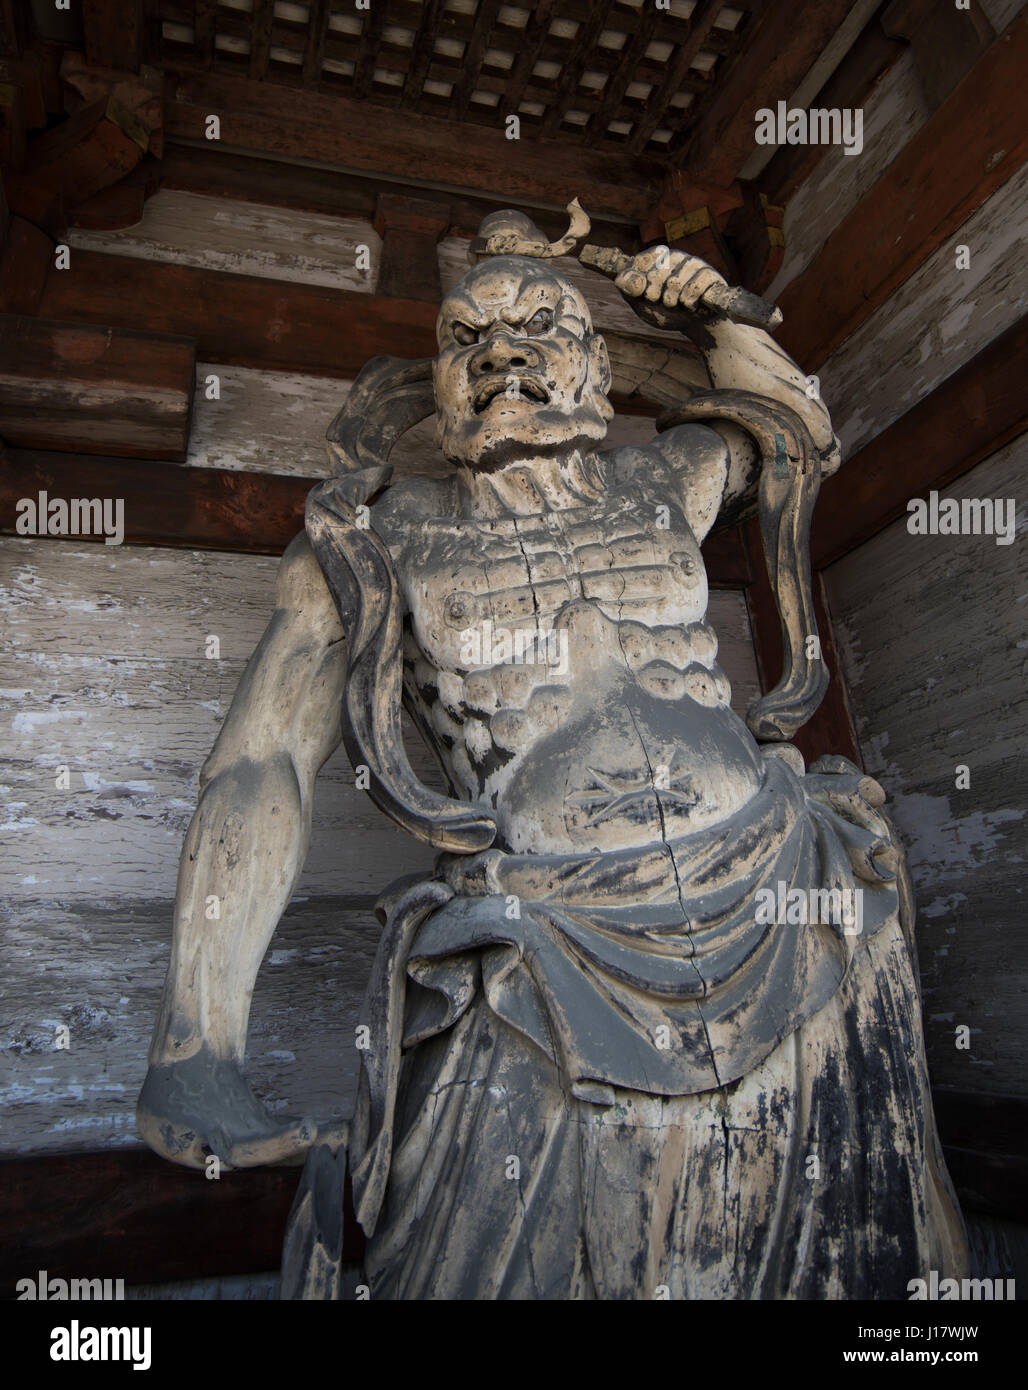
x=652, y=1025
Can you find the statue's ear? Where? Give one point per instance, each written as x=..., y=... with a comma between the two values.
x=599, y=363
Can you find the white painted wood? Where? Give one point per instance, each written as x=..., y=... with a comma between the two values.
x=934, y=322
x=263, y=422
x=242, y=238
x=931, y=634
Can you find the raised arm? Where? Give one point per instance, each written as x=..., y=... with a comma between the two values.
x=777, y=445
x=243, y=853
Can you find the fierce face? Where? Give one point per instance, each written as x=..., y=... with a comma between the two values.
x=519, y=370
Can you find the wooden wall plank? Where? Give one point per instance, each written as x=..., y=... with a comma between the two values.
x=164, y=504
x=241, y=238
x=895, y=111
x=241, y=318
x=932, y=326
x=931, y=629
x=785, y=42
x=94, y=390
x=969, y=416
x=971, y=145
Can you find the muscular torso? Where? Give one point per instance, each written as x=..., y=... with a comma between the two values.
x=611, y=726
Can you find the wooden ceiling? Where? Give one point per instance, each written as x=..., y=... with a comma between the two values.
x=619, y=75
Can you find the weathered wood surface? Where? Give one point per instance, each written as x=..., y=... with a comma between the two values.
x=893, y=112
x=104, y=671
x=967, y=149
x=934, y=322
x=930, y=629
x=968, y=416
x=784, y=45
x=97, y=967
x=94, y=390
x=240, y=238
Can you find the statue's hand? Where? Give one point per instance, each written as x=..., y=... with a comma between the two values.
x=664, y=287
x=203, y=1105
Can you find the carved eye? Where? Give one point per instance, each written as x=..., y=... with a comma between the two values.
x=540, y=322
x=464, y=334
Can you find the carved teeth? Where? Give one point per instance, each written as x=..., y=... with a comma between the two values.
x=528, y=388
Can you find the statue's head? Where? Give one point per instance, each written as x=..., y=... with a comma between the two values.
x=519, y=370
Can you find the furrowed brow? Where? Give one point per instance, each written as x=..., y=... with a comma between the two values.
x=467, y=311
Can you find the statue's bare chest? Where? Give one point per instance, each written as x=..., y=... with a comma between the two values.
x=634, y=558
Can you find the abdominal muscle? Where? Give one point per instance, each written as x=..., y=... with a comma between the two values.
x=610, y=755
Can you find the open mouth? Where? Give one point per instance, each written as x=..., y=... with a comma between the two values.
x=527, y=389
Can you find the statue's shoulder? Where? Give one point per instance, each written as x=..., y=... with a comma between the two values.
x=408, y=501
x=670, y=452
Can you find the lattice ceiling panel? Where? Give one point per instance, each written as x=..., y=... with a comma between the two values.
x=611, y=74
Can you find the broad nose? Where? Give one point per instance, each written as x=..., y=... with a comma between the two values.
x=500, y=353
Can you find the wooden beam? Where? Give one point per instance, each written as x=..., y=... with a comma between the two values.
x=289, y=122
x=372, y=23
x=768, y=67
x=95, y=390
x=831, y=729
x=165, y=504
x=113, y=31
x=262, y=18
x=701, y=21
x=243, y=319
x=567, y=83
x=867, y=62
x=410, y=229
x=221, y=174
x=971, y=145
x=946, y=42
x=421, y=53
x=25, y=262
x=205, y=18
x=529, y=51
x=314, y=45
x=966, y=418
x=131, y=1215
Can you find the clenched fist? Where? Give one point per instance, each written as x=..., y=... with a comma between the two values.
x=673, y=279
